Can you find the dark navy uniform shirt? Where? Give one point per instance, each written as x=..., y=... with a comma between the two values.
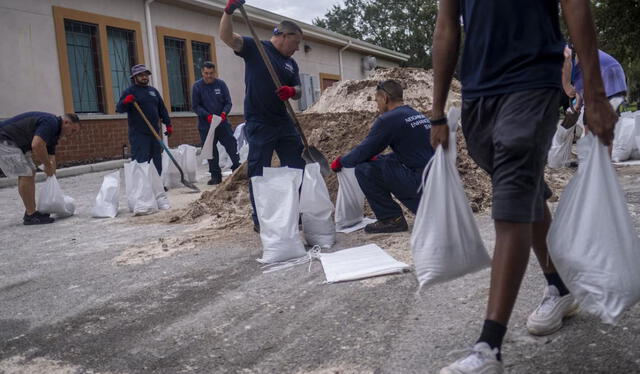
x=510, y=45
x=261, y=104
x=405, y=130
x=151, y=104
x=22, y=128
x=208, y=99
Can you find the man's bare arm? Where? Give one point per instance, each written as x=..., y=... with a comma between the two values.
x=227, y=35
x=41, y=156
x=446, y=42
x=599, y=116
x=567, y=67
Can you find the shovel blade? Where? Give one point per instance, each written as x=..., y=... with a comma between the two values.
x=190, y=185
x=311, y=155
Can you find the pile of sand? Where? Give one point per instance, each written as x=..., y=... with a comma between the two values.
x=337, y=123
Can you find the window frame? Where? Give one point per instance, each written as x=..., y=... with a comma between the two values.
x=188, y=38
x=333, y=77
x=102, y=22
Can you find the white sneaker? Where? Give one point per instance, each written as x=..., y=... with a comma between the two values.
x=547, y=318
x=481, y=360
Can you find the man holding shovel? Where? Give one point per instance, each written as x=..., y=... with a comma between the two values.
x=144, y=146
x=511, y=89
x=269, y=128
x=33, y=136
x=209, y=97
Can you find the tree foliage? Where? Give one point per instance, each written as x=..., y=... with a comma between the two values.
x=403, y=26
x=618, y=25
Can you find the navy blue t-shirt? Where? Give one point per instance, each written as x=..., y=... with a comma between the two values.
x=261, y=103
x=510, y=45
x=405, y=130
x=208, y=99
x=152, y=106
x=22, y=128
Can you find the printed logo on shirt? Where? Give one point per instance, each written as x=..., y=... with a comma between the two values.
x=289, y=67
x=152, y=93
x=218, y=91
x=418, y=120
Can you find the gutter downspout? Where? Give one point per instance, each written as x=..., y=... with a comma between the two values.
x=152, y=44
x=340, y=56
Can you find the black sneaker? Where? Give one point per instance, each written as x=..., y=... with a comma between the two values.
x=256, y=228
x=36, y=219
x=389, y=225
x=39, y=214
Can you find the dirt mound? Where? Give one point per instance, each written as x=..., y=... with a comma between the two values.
x=337, y=123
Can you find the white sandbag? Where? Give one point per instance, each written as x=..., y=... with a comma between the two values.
x=158, y=189
x=170, y=173
x=207, y=146
x=14, y=163
x=244, y=152
x=108, y=199
x=445, y=241
x=560, y=150
x=189, y=163
x=316, y=209
x=359, y=263
x=140, y=195
x=52, y=200
x=592, y=240
x=238, y=133
x=277, y=198
x=350, y=200
x=624, y=139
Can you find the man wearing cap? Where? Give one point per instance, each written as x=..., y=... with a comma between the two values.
x=28, y=137
x=144, y=146
x=269, y=127
x=209, y=97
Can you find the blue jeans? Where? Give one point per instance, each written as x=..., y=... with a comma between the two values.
x=263, y=140
x=385, y=176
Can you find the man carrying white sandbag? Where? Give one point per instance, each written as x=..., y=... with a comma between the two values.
x=29, y=137
x=511, y=79
x=406, y=132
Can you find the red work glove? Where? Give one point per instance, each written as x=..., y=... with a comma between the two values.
x=209, y=118
x=375, y=157
x=223, y=115
x=286, y=92
x=169, y=131
x=129, y=99
x=336, y=165
x=232, y=5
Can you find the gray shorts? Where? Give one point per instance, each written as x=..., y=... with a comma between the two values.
x=13, y=162
x=509, y=136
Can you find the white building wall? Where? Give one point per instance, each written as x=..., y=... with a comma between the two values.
x=30, y=75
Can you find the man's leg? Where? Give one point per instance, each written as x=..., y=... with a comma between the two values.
x=289, y=149
x=262, y=139
x=27, y=191
x=228, y=141
x=156, y=154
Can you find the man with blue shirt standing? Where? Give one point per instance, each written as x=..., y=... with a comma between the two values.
x=269, y=127
x=407, y=133
x=511, y=89
x=144, y=146
x=29, y=137
x=210, y=96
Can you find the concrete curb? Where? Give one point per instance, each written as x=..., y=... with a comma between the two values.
x=70, y=171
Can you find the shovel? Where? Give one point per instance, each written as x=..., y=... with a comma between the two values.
x=166, y=149
x=310, y=154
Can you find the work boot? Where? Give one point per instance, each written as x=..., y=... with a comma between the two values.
x=389, y=225
x=36, y=218
x=215, y=180
x=234, y=167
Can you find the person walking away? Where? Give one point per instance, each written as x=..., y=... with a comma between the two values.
x=511, y=82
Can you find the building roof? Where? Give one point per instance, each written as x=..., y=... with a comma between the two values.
x=269, y=19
